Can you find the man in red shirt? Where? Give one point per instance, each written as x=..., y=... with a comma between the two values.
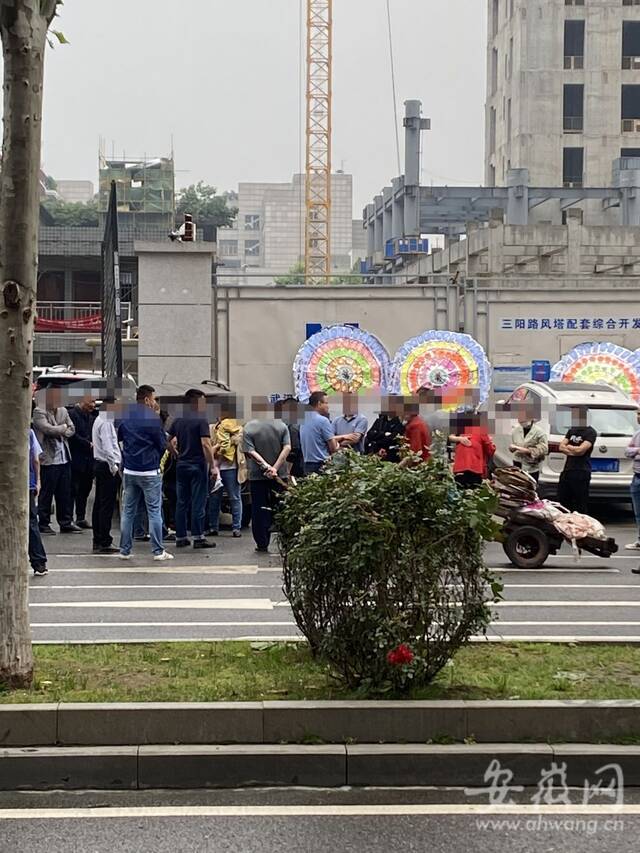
x=417, y=432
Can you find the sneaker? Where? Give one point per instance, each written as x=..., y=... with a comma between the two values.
x=236, y=534
x=633, y=546
x=47, y=530
x=124, y=556
x=262, y=550
x=109, y=550
x=83, y=525
x=202, y=543
x=183, y=543
x=145, y=538
x=170, y=537
x=160, y=558
x=211, y=533
x=71, y=528
x=40, y=570
x=635, y=571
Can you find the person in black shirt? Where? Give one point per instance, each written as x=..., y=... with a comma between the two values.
x=83, y=415
x=577, y=446
x=191, y=442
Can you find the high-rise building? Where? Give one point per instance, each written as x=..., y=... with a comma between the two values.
x=268, y=235
x=563, y=90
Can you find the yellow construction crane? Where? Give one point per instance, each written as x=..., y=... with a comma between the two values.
x=317, y=256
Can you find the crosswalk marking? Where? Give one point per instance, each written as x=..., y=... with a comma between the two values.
x=169, y=604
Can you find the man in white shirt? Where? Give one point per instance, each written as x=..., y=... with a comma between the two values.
x=108, y=465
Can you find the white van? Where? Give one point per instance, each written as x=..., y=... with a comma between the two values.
x=610, y=412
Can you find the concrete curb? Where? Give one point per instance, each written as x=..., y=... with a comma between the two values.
x=139, y=724
x=251, y=765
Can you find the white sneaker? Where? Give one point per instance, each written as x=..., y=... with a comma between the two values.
x=160, y=558
x=124, y=556
x=633, y=546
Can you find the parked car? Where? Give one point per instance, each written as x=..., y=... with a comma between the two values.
x=608, y=410
x=78, y=382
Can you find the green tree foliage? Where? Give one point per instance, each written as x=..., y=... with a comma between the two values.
x=294, y=276
x=205, y=205
x=73, y=213
x=383, y=568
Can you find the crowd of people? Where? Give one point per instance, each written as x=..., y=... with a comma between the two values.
x=171, y=474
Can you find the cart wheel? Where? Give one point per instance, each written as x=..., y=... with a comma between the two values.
x=527, y=547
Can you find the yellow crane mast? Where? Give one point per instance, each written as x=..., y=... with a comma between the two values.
x=317, y=258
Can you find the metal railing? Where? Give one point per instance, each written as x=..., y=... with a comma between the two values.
x=76, y=310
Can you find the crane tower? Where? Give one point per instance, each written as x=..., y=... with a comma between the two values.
x=318, y=160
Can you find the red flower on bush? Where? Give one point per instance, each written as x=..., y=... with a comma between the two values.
x=401, y=655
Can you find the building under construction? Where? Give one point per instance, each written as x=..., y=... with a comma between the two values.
x=145, y=188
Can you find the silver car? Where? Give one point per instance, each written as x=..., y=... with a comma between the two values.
x=609, y=411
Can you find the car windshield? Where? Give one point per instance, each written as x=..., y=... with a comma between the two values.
x=614, y=423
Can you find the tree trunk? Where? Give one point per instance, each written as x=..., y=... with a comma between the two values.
x=23, y=28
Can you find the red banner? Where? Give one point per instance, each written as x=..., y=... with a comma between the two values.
x=92, y=323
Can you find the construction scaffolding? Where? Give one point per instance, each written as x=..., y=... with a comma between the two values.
x=144, y=187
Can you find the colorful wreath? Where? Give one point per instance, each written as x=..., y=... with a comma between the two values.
x=596, y=363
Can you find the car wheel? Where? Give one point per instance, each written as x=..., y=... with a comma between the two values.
x=527, y=547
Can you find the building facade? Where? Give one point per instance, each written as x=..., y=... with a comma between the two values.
x=563, y=90
x=268, y=235
x=75, y=191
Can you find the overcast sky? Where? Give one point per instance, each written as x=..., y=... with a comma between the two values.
x=221, y=78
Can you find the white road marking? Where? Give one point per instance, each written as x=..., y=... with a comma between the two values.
x=560, y=586
x=169, y=604
x=103, y=812
x=44, y=587
x=165, y=571
x=549, y=571
x=542, y=604
x=107, y=641
x=554, y=638
x=164, y=624
x=567, y=624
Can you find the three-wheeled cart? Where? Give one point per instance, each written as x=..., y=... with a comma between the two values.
x=528, y=540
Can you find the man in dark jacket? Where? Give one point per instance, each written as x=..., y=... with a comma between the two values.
x=143, y=442
x=83, y=415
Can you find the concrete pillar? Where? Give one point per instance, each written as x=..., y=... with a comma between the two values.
x=68, y=294
x=518, y=197
x=371, y=237
x=397, y=210
x=495, y=257
x=387, y=216
x=174, y=312
x=574, y=240
x=377, y=225
x=414, y=124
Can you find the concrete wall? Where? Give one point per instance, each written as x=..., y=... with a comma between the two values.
x=517, y=320
x=174, y=312
x=260, y=329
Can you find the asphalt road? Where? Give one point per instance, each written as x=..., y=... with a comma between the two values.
x=233, y=593
x=287, y=821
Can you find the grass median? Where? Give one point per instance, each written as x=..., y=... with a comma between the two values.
x=240, y=671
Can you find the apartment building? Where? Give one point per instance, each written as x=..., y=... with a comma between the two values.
x=563, y=90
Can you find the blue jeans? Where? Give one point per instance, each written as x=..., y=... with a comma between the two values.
x=635, y=499
x=192, y=481
x=232, y=488
x=150, y=487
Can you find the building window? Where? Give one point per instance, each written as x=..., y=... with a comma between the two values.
x=631, y=2
x=252, y=222
x=574, y=44
x=494, y=71
x=572, y=167
x=252, y=248
x=630, y=152
x=228, y=248
x=573, y=108
x=631, y=44
x=492, y=176
x=630, y=113
x=576, y=2
x=510, y=64
x=495, y=17
x=509, y=120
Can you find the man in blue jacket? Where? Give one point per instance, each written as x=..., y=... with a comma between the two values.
x=143, y=442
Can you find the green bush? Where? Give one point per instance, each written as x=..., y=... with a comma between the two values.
x=383, y=568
